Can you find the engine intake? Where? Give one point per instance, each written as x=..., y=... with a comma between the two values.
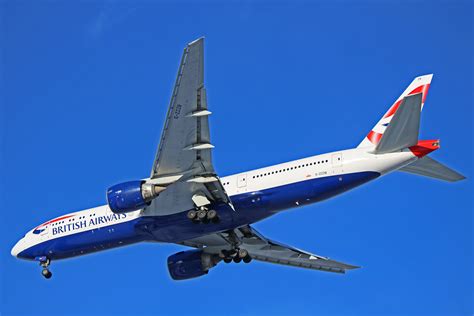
x=190, y=264
x=132, y=195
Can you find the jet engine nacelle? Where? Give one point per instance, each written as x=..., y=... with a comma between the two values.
x=190, y=264
x=132, y=195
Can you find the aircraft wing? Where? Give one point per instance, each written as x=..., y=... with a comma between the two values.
x=183, y=160
x=263, y=249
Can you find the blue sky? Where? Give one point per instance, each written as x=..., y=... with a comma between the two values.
x=84, y=90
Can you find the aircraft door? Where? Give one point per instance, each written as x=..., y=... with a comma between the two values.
x=337, y=163
x=44, y=233
x=337, y=160
x=242, y=181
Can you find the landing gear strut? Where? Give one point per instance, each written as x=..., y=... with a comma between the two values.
x=203, y=215
x=44, y=263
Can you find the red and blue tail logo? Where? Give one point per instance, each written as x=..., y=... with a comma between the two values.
x=419, y=85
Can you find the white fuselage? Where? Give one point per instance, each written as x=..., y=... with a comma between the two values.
x=344, y=162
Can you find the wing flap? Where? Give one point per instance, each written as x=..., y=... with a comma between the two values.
x=266, y=250
x=185, y=140
x=278, y=254
x=183, y=161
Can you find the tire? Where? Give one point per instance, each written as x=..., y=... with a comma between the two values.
x=247, y=259
x=201, y=214
x=191, y=215
x=46, y=273
x=211, y=214
x=243, y=253
x=227, y=260
x=237, y=259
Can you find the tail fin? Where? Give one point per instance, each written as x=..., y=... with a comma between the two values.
x=429, y=167
x=418, y=85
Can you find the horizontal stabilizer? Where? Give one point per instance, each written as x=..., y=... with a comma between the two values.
x=429, y=167
x=402, y=131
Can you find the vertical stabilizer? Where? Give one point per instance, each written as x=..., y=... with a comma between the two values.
x=419, y=85
x=402, y=131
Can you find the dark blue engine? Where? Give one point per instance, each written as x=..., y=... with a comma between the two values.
x=190, y=264
x=126, y=197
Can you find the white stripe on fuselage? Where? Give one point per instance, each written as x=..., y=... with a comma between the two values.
x=352, y=161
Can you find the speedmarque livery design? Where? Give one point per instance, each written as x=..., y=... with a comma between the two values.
x=185, y=202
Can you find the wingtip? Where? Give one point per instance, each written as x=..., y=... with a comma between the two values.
x=196, y=41
x=459, y=178
x=350, y=267
x=354, y=267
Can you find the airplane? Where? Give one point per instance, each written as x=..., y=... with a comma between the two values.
x=185, y=202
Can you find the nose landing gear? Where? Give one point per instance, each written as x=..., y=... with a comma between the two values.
x=44, y=263
x=46, y=273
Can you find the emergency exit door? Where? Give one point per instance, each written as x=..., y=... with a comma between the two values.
x=337, y=160
x=242, y=181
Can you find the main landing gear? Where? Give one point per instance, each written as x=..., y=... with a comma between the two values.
x=203, y=215
x=236, y=255
x=44, y=263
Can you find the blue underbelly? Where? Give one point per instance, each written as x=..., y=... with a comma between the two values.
x=304, y=192
x=249, y=208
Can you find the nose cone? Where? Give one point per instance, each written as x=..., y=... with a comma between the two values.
x=17, y=248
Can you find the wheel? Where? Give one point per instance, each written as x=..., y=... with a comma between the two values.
x=201, y=214
x=192, y=215
x=46, y=273
x=247, y=259
x=237, y=259
x=243, y=253
x=227, y=260
x=211, y=214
